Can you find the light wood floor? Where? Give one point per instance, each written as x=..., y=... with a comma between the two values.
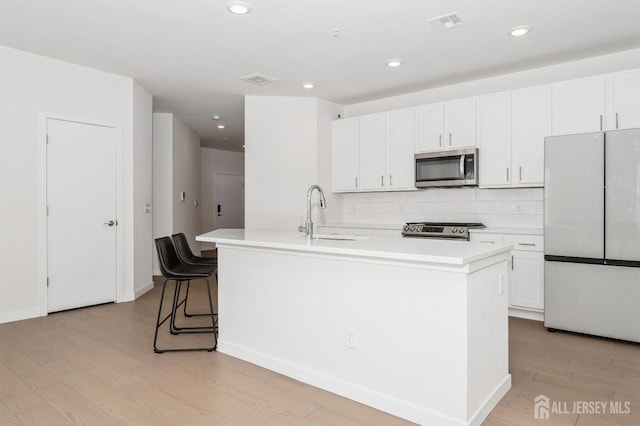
x=96, y=366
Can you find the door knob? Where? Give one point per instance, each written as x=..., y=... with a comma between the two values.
x=110, y=223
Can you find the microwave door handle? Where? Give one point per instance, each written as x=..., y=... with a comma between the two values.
x=462, y=158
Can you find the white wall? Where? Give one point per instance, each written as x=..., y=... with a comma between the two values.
x=176, y=168
x=282, y=138
x=30, y=86
x=213, y=161
x=141, y=167
x=569, y=70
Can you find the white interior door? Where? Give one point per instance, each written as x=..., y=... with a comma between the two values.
x=228, y=200
x=81, y=218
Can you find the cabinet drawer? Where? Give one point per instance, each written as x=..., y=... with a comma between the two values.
x=528, y=242
x=481, y=237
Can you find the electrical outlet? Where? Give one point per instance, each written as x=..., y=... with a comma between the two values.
x=350, y=338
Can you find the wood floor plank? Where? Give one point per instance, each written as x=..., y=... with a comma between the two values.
x=96, y=366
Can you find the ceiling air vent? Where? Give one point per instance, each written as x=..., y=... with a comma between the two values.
x=446, y=22
x=258, y=79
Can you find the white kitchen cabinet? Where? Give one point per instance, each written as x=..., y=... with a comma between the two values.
x=526, y=278
x=494, y=141
x=626, y=100
x=580, y=105
x=449, y=125
x=373, y=151
x=512, y=127
x=401, y=132
x=532, y=122
x=346, y=154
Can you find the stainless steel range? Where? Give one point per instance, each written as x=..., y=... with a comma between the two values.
x=448, y=230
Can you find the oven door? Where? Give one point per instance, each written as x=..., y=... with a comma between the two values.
x=449, y=168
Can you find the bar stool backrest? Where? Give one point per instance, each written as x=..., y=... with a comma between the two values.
x=168, y=257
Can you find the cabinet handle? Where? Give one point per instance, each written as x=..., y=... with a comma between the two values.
x=487, y=241
x=356, y=181
x=520, y=172
x=617, y=121
x=382, y=180
x=390, y=180
x=440, y=142
x=527, y=244
x=449, y=139
x=512, y=262
x=507, y=174
x=600, y=121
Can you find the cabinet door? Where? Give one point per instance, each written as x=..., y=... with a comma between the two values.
x=373, y=152
x=430, y=128
x=460, y=123
x=532, y=122
x=400, y=149
x=580, y=106
x=527, y=280
x=495, y=140
x=626, y=100
x=346, y=154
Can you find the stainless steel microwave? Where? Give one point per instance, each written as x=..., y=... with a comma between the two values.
x=447, y=168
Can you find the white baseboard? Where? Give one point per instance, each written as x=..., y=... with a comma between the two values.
x=386, y=403
x=144, y=289
x=523, y=313
x=19, y=315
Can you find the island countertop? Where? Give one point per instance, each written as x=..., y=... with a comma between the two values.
x=421, y=250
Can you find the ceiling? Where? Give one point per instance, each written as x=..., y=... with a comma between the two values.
x=190, y=54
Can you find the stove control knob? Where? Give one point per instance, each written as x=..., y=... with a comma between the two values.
x=412, y=228
x=405, y=228
x=454, y=230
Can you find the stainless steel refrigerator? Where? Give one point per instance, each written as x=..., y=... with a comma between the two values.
x=592, y=233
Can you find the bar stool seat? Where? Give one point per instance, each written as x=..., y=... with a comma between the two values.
x=173, y=269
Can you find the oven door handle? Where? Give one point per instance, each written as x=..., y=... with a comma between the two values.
x=462, y=158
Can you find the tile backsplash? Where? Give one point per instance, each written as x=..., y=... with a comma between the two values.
x=517, y=207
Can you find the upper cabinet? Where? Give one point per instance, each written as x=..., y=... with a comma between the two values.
x=401, y=136
x=346, y=154
x=626, y=100
x=580, y=106
x=605, y=102
x=448, y=125
x=374, y=152
x=512, y=127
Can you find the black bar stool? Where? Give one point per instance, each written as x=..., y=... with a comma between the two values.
x=186, y=256
x=175, y=270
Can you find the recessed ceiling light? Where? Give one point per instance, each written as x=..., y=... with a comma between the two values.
x=217, y=117
x=393, y=63
x=308, y=85
x=238, y=7
x=220, y=126
x=519, y=30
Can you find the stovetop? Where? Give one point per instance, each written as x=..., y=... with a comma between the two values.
x=455, y=230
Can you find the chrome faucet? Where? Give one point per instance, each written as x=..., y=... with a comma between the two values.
x=308, y=228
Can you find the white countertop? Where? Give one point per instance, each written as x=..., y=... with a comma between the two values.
x=364, y=226
x=443, y=252
x=505, y=230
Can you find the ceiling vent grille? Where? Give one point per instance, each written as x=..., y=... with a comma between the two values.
x=446, y=22
x=258, y=79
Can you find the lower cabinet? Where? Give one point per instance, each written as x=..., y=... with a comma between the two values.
x=526, y=280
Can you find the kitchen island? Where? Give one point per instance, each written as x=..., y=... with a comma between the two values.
x=413, y=327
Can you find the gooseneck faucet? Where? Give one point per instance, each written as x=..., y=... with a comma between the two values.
x=308, y=230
